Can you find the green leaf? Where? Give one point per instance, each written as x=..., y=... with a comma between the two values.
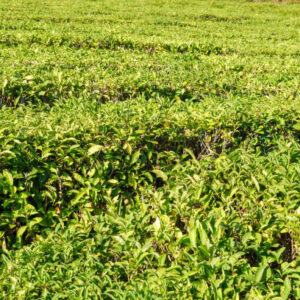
x=35, y=221
x=148, y=176
x=113, y=181
x=246, y=237
x=160, y=174
x=21, y=231
x=161, y=260
x=96, y=148
x=79, y=179
x=119, y=239
x=255, y=182
x=191, y=153
x=78, y=197
x=8, y=177
x=204, y=253
x=203, y=236
x=296, y=126
x=127, y=147
x=29, y=77
x=135, y=156
x=259, y=273
x=285, y=292
x=156, y=224
x=5, y=82
x=193, y=236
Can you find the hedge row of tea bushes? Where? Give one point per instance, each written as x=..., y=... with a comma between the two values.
x=54, y=161
x=195, y=199
x=182, y=240
x=38, y=74
x=49, y=52
x=224, y=27
x=149, y=150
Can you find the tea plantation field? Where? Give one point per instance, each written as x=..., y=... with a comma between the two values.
x=149, y=149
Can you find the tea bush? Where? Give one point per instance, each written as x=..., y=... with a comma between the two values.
x=149, y=150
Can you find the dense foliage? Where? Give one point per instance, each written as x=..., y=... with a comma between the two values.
x=149, y=150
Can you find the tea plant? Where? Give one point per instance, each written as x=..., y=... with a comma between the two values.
x=149, y=150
